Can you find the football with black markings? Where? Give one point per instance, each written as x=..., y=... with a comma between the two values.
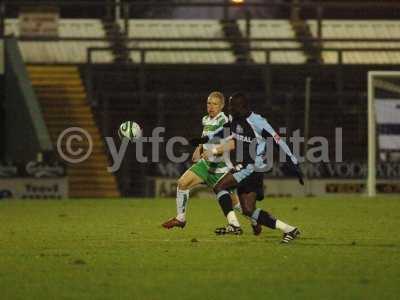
x=130, y=130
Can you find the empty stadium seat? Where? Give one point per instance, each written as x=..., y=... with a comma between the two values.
x=64, y=52
x=179, y=29
x=360, y=29
x=274, y=29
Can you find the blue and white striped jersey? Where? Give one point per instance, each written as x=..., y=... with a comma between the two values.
x=250, y=134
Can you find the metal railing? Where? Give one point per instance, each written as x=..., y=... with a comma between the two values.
x=267, y=51
x=142, y=71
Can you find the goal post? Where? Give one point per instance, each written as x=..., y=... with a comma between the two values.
x=381, y=80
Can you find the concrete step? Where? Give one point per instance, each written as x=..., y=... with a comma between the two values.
x=96, y=186
x=68, y=116
x=97, y=142
x=58, y=88
x=57, y=128
x=52, y=69
x=44, y=95
x=91, y=179
x=71, y=104
x=62, y=109
x=85, y=193
x=62, y=101
x=95, y=154
x=93, y=171
x=53, y=75
x=98, y=165
x=69, y=121
x=95, y=136
x=42, y=83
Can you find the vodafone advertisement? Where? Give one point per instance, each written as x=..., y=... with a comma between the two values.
x=166, y=187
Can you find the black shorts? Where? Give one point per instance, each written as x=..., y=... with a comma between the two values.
x=253, y=183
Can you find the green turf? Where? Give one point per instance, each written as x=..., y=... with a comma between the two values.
x=116, y=249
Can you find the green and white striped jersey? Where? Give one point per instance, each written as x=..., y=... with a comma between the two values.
x=220, y=163
x=212, y=124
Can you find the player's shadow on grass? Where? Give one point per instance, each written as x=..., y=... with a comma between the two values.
x=303, y=242
x=351, y=244
x=274, y=237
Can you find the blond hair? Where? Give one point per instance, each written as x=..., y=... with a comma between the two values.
x=219, y=96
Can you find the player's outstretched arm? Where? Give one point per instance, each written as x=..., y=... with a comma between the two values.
x=293, y=164
x=219, y=133
x=267, y=131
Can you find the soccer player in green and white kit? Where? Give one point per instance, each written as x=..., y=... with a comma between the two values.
x=208, y=171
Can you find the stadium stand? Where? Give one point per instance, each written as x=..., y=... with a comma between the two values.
x=274, y=29
x=179, y=29
x=64, y=51
x=369, y=29
x=76, y=51
x=169, y=90
x=64, y=104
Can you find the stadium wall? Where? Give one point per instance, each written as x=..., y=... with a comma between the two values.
x=34, y=188
x=166, y=187
x=2, y=96
x=1, y=57
x=26, y=134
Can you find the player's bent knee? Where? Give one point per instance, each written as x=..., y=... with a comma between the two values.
x=220, y=186
x=183, y=183
x=217, y=188
x=247, y=211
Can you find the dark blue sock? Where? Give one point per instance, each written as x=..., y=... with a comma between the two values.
x=225, y=202
x=264, y=218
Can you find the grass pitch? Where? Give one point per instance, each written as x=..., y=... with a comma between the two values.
x=116, y=249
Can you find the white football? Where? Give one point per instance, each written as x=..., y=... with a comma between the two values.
x=130, y=130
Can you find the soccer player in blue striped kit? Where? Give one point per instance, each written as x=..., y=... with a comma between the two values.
x=249, y=132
